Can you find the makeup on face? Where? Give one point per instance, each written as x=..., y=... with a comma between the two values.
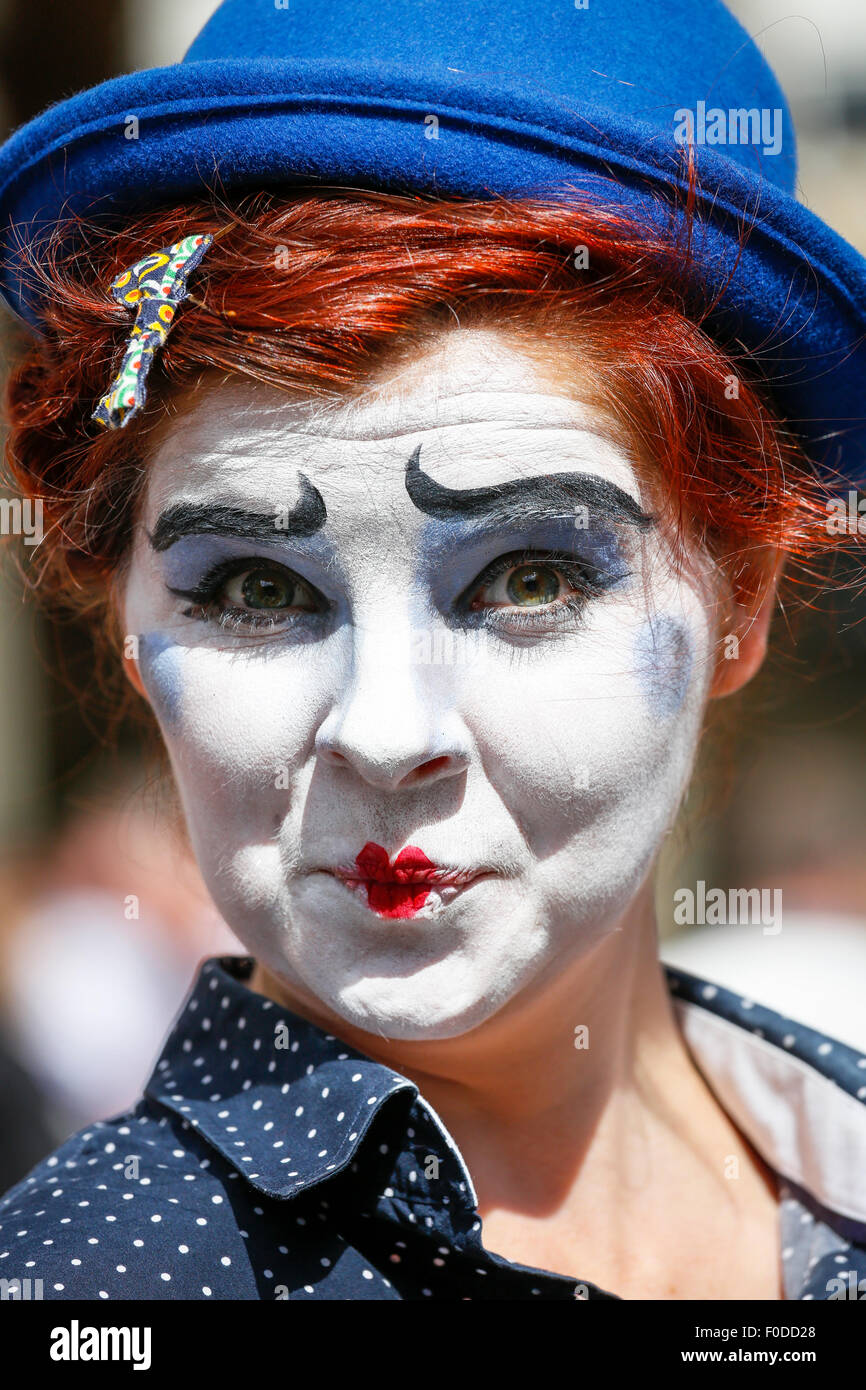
x=525, y=498
x=417, y=840
x=159, y=663
x=663, y=660
x=404, y=886
x=544, y=521
x=549, y=514
x=307, y=516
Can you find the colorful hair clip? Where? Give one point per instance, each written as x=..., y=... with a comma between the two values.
x=154, y=286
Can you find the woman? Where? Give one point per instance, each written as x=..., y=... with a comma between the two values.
x=432, y=530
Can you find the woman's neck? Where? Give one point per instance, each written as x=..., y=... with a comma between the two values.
x=582, y=1116
x=565, y=1065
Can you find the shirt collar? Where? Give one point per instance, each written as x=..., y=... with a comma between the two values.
x=236, y=1062
x=798, y=1095
x=237, y=1065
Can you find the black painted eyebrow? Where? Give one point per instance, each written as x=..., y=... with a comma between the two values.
x=221, y=519
x=523, y=499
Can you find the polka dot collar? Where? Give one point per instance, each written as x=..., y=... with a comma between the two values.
x=242, y=1070
x=270, y=1160
x=236, y=1064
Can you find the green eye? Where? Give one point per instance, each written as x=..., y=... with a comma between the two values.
x=529, y=585
x=268, y=590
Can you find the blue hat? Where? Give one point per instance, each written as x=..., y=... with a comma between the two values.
x=482, y=97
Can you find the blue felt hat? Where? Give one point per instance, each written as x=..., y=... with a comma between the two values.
x=479, y=97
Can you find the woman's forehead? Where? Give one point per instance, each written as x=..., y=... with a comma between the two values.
x=480, y=417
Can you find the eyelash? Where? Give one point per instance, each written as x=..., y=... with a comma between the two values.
x=586, y=583
x=203, y=598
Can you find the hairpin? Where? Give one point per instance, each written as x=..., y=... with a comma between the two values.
x=154, y=286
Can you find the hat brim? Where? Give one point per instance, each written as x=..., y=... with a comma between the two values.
x=795, y=298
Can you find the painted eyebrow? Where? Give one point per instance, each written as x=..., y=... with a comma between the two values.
x=221, y=519
x=522, y=499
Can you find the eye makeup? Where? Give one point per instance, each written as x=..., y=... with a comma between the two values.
x=456, y=556
x=529, y=575
x=201, y=568
x=523, y=499
x=575, y=529
x=268, y=596
x=185, y=518
x=191, y=558
x=585, y=518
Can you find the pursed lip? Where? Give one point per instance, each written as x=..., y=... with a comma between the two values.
x=400, y=887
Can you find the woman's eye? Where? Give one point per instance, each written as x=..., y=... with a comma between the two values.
x=267, y=589
x=528, y=585
x=251, y=597
x=533, y=584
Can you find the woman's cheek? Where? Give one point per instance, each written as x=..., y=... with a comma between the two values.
x=594, y=729
x=231, y=718
x=160, y=665
x=663, y=661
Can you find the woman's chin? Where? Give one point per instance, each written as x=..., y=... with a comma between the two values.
x=442, y=990
x=390, y=1009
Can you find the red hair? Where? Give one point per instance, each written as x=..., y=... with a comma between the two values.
x=312, y=291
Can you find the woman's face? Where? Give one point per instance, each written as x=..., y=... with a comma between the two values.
x=430, y=686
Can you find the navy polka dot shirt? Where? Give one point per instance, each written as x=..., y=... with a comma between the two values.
x=269, y=1160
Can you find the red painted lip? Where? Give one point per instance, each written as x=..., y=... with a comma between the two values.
x=398, y=888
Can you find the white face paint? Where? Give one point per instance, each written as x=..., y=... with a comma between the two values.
x=529, y=740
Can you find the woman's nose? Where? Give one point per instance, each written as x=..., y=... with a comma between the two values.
x=394, y=723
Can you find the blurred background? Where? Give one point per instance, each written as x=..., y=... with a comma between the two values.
x=103, y=918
